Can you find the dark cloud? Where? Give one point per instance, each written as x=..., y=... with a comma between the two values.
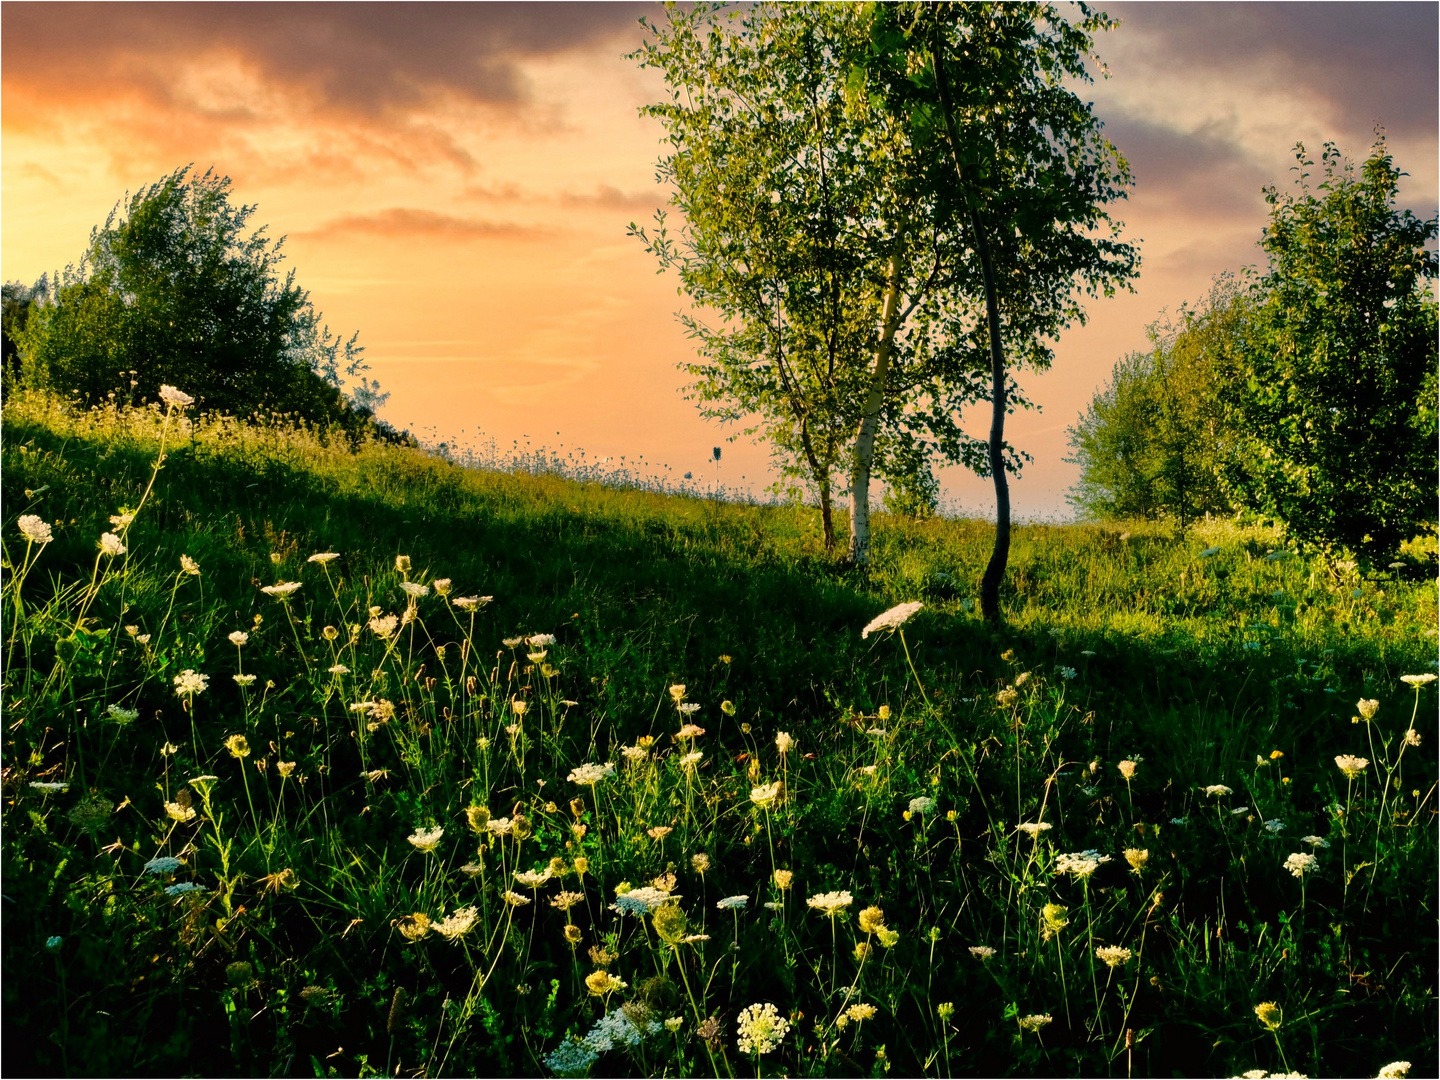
x=1200, y=175
x=408, y=222
x=1371, y=62
x=362, y=57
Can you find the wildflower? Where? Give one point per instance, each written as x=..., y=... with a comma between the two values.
x=182, y=887
x=893, y=619
x=518, y=706
x=677, y=693
x=54, y=941
x=514, y=899
x=619, y=1028
x=732, y=903
x=981, y=952
x=285, y=769
x=413, y=927
x=860, y=1013
x=1274, y=825
x=243, y=680
x=1418, y=681
x=238, y=746
x=338, y=669
x=1315, y=841
x=1299, y=863
x=572, y=1056
x=471, y=603
x=1113, y=955
x=1127, y=770
x=384, y=626
x=634, y=753
x=457, y=924
x=774, y=905
x=426, y=840
x=181, y=812
x=700, y=861
x=540, y=641
x=1351, y=765
x=502, y=826
x=1396, y=1070
x=566, y=900
x=1239, y=810
x=871, y=920
x=35, y=529
x=163, y=864
x=1270, y=1014
x=239, y=638
x=283, y=588
x=175, y=398
x=600, y=983
x=1137, y=858
x=783, y=878
x=50, y=786
x=674, y=1024
x=1217, y=790
x=688, y=707
x=689, y=761
x=511, y=642
x=414, y=590
x=591, y=774
x=765, y=794
x=1022, y=679
x=1065, y=672
x=783, y=742
x=1035, y=1021
x=1007, y=697
x=659, y=832
x=888, y=938
x=1033, y=829
x=1053, y=919
x=402, y=564
x=830, y=903
x=323, y=557
x=922, y=804
x=1367, y=707
x=690, y=731
x=946, y=1009
x=110, y=544
x=532, y=879
x=478, y=817
x=1080, y=863
x=761, y=1029
x=642, y=900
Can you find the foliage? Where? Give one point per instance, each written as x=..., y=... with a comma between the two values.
x=804, y=209
x=1337, y=394
x=1153, y=443
x=282, y=937
x=988, y=91
x=176, y=291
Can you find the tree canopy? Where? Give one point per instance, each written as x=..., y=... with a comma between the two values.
x=176, y=288
x=1336, y=395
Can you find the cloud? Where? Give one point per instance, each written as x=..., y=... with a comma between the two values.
x=408, y=222
x=607, y=197
x=1199, y=175
x=355, y=57
x=1367, y=62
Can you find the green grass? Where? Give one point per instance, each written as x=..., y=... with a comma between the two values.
x=293, y=954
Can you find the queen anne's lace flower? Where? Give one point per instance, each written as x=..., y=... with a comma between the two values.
x=414, y=590
x=1418, y=681
x=1301, y=863
x=190, y=682
x=830, y=903
x=175, y=398
x=981, y=952
x=163, y=864
x=1080, y=863
x=1215, y=790
x=1114, y=955
x=765, y=794
x=731, y=903
x=426, y=840
x=922, y=804
x=458, y=923
x=591, y=774
x=323, y=557
x=1035, y=1021
x=283, y=588
x=761, y=1029
x=893, y=619
x=111, y=545
x=1033, y=829
x=35, y=529
x=1351, y=765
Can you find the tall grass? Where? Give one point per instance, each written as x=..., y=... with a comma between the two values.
x=538, y=775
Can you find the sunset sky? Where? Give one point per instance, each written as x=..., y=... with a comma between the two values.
x=455, y=181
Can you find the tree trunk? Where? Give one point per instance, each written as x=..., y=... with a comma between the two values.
x=859, y=554
x=1000, y=555
x=826, y=517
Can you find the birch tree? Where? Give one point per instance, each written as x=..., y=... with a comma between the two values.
x=819, y=258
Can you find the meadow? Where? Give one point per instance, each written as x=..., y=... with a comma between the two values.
x=332, y=757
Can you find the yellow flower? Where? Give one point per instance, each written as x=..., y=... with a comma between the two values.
x=872, y=919
x=413, y=927
x=783, y=878
x=888, y=938
x=1137, y=858
x=860, y=1013
x=1270, y=1015
x=600, y=983
x=237, y=746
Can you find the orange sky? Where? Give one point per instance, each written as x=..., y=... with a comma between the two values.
x=455, y=182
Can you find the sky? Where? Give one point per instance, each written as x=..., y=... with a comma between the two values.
x=455, y=180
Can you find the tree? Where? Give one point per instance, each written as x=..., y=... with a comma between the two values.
x=1154, y=441
x=175, y=290
x=818, y=252
x=985, y=88
x=17, y=301
x=1336, y=395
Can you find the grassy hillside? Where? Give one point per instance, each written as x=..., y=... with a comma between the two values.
x=285, y=915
